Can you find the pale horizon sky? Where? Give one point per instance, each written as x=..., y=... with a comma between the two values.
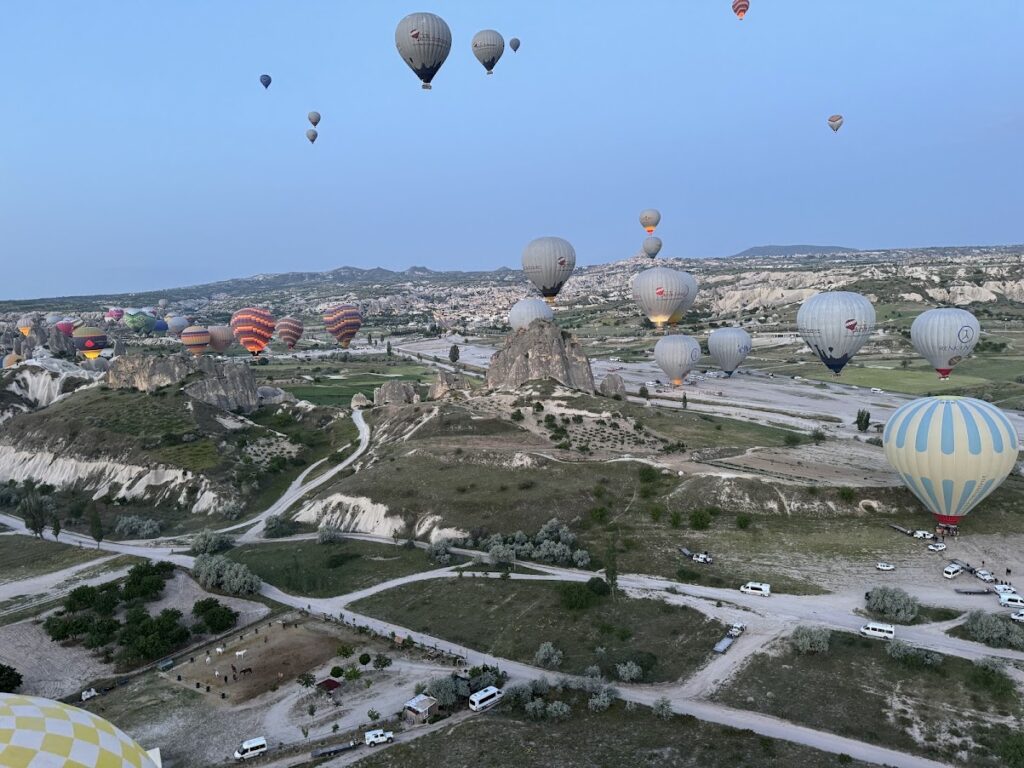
x=140, y=152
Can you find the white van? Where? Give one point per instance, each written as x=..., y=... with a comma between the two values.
x=251, y=748
x=880, y=631
x=952, y=570
x=1011, y=601
x=757, y=588
x=485, y=698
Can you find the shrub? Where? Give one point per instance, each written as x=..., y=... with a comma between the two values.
x=600, y=701
x=575, y=596
x=134, y=527
x=662, y=708
x=992, y=630
x=547, y=656
x=444, y=690
x=440, y=552
x=818, y=435
x=517, y=415
x=519, y=695
x=647, y=474
x=329, y=535
x=337, y=671
x=792, y=439
x=10, y=679
x=581, y=558
x=846, y=494
x=743, y=522
x=893, y=604
x=629, y=671
x=210, y=543
x=1011, y=749
x=381, y=662
x=910, y=656
x=675, y=518
x=558, y=710
x=214, y=615
x=277, y=526
x=598, y=586
x=700, y=519
x=536, y=709
x=989, y=676
x=806, y=639
x=364, y=659
x=217, y=572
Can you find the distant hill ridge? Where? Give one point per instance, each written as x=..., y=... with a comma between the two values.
x=762, y=251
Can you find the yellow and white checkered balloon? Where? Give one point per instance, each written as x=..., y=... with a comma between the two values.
x=39, y=733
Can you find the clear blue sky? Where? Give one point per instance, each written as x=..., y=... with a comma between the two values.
x=139, y=151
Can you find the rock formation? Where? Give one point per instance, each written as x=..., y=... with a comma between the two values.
x=224, y=384
x=359, y=401
x=445, y=384
x=395, y=393
x=274, y=396
x=542, y=351
x=613, y=386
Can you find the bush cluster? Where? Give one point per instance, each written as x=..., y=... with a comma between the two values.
x=210, y=543
x=135, y=527
x=554, y=543
x=213, y=616
x=217, y=572
x=806, y=639
x=893, y=604
x=993, y=630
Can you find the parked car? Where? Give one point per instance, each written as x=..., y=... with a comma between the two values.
x=1003, y=589
x=373, y=738
x=251, y=748
x=952, y=570
x=703, y=557
x=878, y=630
x=985, y=576
x=924, y=535
x=485, y=698
x=1017, y=616
x=737, y=629
x=876, y=390
x=885, y=566
x=936, y=546
x=1011, y=601
x=757, y=588
x=89, y=694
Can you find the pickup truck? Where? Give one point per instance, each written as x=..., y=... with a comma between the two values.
x=373, y=738
x=730, y=637
x=697, y=557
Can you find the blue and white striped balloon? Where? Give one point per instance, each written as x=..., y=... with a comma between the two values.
x=951, y=452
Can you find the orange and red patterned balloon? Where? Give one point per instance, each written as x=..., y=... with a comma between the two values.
x=343, y=323
x=740, y=8
x=253, y=327
x=196, y=339
x=289, y=330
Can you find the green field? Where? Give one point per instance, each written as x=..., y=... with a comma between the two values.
x=953, y=706
x=510, y=618
x=22, y=557
x=611, y=739
x=327, y=570
x=335, y=384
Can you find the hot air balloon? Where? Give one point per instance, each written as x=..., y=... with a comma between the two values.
x=686, y=303
x=652, y=246
x=514, y=44
x=311, y=134
x=835, y=122
x=265, y=80
x=142, y=323
x=951, y=452
x=423, y=41
x=176, y=324
x=740, y=8
x=649, y=220
x=162, y=303
x=113, y=315
x=314, y=118
x=548, y=262
x=53, y=318
x=660, y=292
x=488, y=45
x=525, y=311
x=25, y=324
x=89, y=341
x=221, y=337
x=160, y=326
x=729, y=347
x=253, y=327
x=65, y=326
x=944, y=337
x=196, y=339
x=343, y=323
x=835, y=324
x=676, y=355
x=12, y=360
x=289, y=330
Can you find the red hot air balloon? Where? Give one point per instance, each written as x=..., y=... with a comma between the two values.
x=114, y=314
x=196, y=339
x=65, y=326
x=289, y=330
x=740, y=8
x=253, y=327
x=343, y=323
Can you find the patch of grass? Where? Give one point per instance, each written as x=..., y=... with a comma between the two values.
x=891, y=699
x=715, y=576
x=195, y=457
x=512, y=618
x=327, y=570
x=616, y=737
x=22, y=557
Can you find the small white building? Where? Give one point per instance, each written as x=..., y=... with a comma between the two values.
x=419, y=709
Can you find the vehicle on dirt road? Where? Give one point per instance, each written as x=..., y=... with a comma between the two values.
x=373, y=738
x=1017, y=616
x=1003, y=589
x=952, y=570
x=251, y=748
x=924, y=535
x=485, y=698
x=985, y=576
x=885, y=566
x=878, y=631
x=936, y=546
x=757, y=588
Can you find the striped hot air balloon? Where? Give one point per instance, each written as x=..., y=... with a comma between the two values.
x=289, y=330
x=343, y=323
x=221, y=337
x=89, y=341
x=740, y=8
x=196, y=339
x=951, y=452
x=65, y=326
x=25, y=324
x=253, y=327
x=12, y=360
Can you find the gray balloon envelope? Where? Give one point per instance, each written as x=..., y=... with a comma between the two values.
x=835, y=325
x=729, y=347
x=265, y=80
x=514, y=44
x=311, y=135
x=676, y=355
x=525, y=311
x=661, y=291
x=548, y=262
x=488, y=45
x=423, y=41
x=652, y=245
x=314, y=118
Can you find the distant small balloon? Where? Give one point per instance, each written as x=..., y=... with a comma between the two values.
x=649, y=220
x=311, y=134
x=740, y=8
x=488, y=45
x=835, y=122
x=314, y=118
x=265, y=79
x=514, y=44
x=652, y=246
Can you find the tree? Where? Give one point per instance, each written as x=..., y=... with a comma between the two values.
x=388, y=349
x=643, y=392
x=806, y=639
x=453, y=353
x=32, y=511
x=209, y=542
x=55, y=526
x=611, y=567
x=380, y=662
x=629, y=671
x=662, y=708
x=373, y=714
x=364, y=659
x=700, y=519
x=445, y=691
x=558, y=710
x=547, y=655
x=863, y=420
x=10, y=679
x=306, y=680
x=96, y=526
x=215, y=616
x=892, y=603
x=684, y=401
